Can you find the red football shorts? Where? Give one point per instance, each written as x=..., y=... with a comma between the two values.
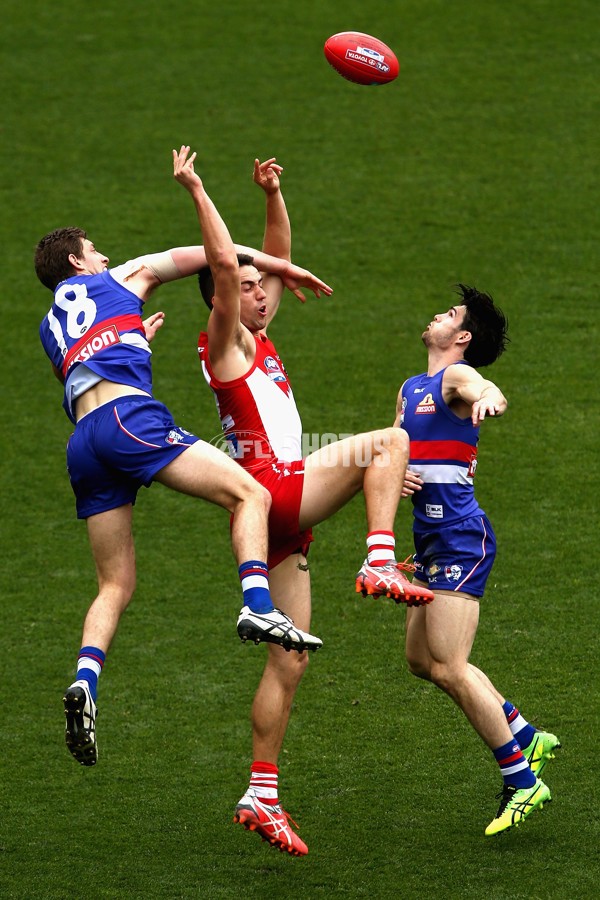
x=285, y=482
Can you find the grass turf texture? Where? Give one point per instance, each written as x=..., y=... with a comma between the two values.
x=476, y=165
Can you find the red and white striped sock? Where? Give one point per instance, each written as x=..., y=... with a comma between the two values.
x=381, y=548
x=263, y=781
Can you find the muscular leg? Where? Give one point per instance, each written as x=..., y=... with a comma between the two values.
x=374, y=461
x=111, y=541
x=290, y=590
x=484, y=678
x=205, y=472
x=439, y=638
x=419, y=658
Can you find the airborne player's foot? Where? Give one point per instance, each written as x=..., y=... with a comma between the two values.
x=80, y=729
x=389, y=581
x=540, y=751
x=517, y=804
x=271, y=822
x=274, y=628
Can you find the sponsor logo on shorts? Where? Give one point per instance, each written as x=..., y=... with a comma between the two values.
x=434, y=510
x=453, y=572
x=434, y=569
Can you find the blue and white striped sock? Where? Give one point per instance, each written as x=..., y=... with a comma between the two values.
x=520, y=727
x=513, y=765
x=89, y=665
x=254, y=576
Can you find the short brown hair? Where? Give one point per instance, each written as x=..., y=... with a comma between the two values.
x=52, y=255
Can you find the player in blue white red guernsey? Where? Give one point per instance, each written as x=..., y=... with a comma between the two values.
x=442, y=410
x=124, y=438
x=262, y=426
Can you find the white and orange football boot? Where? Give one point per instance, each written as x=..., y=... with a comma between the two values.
x=271, y=822
x=389, y=581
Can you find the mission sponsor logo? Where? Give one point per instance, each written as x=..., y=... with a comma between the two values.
x=426, y=406
x=97, y=340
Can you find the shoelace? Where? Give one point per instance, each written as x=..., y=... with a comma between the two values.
x=288, y=817
x=407, y=566
x=505, y=796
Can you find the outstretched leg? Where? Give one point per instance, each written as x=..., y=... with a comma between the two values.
x=375, y=462
x=259, y=809
x=203, y=471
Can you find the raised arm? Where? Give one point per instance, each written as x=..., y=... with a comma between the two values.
x=221, y=256
x=482, y=396
x=277, y=239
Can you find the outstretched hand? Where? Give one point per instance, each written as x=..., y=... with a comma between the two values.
x=183, y=169
x=295, y=278
x=483, y=408
x=266, y=175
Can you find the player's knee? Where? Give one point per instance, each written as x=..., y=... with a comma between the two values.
x=445, y=677
x=117, y=594
x=418, y=666
x=249, y=491
x=391, y=442
x=290, y=666
x=395, y=439
x=259, y=495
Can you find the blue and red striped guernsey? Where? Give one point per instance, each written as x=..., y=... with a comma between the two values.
x=94, y=330
x=443, y=451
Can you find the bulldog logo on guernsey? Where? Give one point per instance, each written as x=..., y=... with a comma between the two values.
x=426, y=405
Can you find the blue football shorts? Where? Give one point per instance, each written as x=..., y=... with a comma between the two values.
x=457, y=557
x=118, y=448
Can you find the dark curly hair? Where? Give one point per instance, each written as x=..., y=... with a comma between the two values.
x=488, y=326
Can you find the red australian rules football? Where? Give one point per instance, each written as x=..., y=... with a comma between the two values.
x=361, y=58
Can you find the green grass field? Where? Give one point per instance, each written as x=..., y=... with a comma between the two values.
x=479, y=164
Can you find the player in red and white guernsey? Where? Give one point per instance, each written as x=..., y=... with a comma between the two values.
x=442, y=410
x=261, y=424
x=125, y=439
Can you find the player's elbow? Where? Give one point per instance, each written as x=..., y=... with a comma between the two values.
x=224, y=261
